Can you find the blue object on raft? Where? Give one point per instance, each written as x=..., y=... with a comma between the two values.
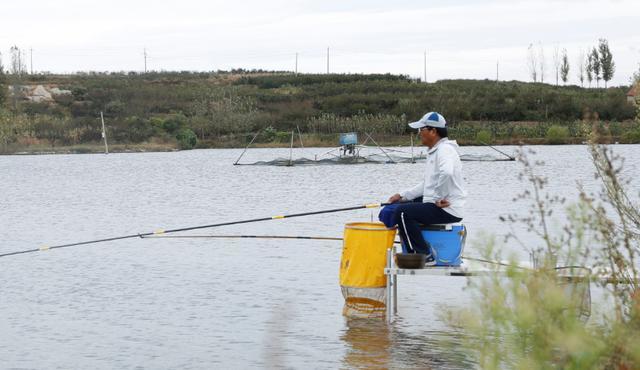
x=349, y=138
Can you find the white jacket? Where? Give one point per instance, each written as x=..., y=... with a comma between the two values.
x=442, y=178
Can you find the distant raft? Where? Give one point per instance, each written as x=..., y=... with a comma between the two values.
x=369, y=159
x=334, y=160
x=350, y=152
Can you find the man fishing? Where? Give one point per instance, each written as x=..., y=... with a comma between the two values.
x=440, y=197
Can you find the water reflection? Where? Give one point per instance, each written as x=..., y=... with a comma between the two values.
x=367, y=342
x=371, y=343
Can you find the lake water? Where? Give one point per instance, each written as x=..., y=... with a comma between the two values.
x=227, y=303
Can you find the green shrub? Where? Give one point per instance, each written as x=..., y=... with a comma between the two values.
x=269, y=134
x=631, y=136
x=139, y=129
x=483, y=137
x=283, y=136
x=557, y=134
x=174, y=123
x=186, y=139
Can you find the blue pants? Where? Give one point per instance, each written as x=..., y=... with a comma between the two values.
x=409, y=217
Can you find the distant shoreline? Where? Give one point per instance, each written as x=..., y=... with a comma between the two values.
x=98, y=148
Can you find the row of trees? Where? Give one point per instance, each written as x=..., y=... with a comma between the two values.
x=599, y=64
x=596, y=65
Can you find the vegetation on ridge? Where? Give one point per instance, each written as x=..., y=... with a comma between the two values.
x=224, y=109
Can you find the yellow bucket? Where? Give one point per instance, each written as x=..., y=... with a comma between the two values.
x=364, y=254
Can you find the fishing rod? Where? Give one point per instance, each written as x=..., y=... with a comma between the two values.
x=304, y=238
x=243, y=237
x=162, y=231
x=499, y=151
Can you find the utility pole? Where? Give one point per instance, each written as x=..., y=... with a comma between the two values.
x=296, y=63
x=497, y=70
x=425, y=66
x=31, y=57
x=327, y=60
x=145, y=60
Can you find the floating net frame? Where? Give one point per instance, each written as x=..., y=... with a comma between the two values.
x=359, y=154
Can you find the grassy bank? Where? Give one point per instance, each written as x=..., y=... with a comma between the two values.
x=187, y=110
x=472, y=133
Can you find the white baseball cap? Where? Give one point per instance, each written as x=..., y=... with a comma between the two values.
x=431, y=119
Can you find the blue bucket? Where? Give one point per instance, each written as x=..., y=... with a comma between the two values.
x=349, y=138
x=447, y=243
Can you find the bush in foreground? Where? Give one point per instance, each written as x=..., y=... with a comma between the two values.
x=535, y=318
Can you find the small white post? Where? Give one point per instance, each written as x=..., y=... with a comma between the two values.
x=104, y=135
x=412, y=158
x=291, y=149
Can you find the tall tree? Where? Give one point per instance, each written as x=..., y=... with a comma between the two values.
x=596, y=66
x=16, y=69
x=18, y=66
x=606, y=61
x=581, y=67
x=564, y=67
x=589, y=68
x=532, y=63
x=556, y=63
x=541, y=61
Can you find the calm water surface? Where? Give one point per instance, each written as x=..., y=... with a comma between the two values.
x=231, y=303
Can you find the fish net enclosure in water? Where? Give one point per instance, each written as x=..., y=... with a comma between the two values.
x=350, y=152
x=362, y=278
x=484, y=158
x=335, y=160
x=364, y=302
x=361, y=155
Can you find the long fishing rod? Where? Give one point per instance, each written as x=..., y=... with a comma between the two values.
x=304, y=238
x=243, y=237
x=161, y=231
x=499, y=151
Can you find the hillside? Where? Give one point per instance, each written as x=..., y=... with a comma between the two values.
x=184, y=109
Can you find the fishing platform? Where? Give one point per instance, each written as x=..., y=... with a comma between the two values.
x=392, y=271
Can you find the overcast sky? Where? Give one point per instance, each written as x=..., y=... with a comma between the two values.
x=463, y=39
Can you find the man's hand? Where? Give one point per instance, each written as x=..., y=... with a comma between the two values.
x=394, y=198
x=442, y=203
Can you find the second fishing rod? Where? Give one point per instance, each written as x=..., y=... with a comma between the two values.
x=162, y=231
